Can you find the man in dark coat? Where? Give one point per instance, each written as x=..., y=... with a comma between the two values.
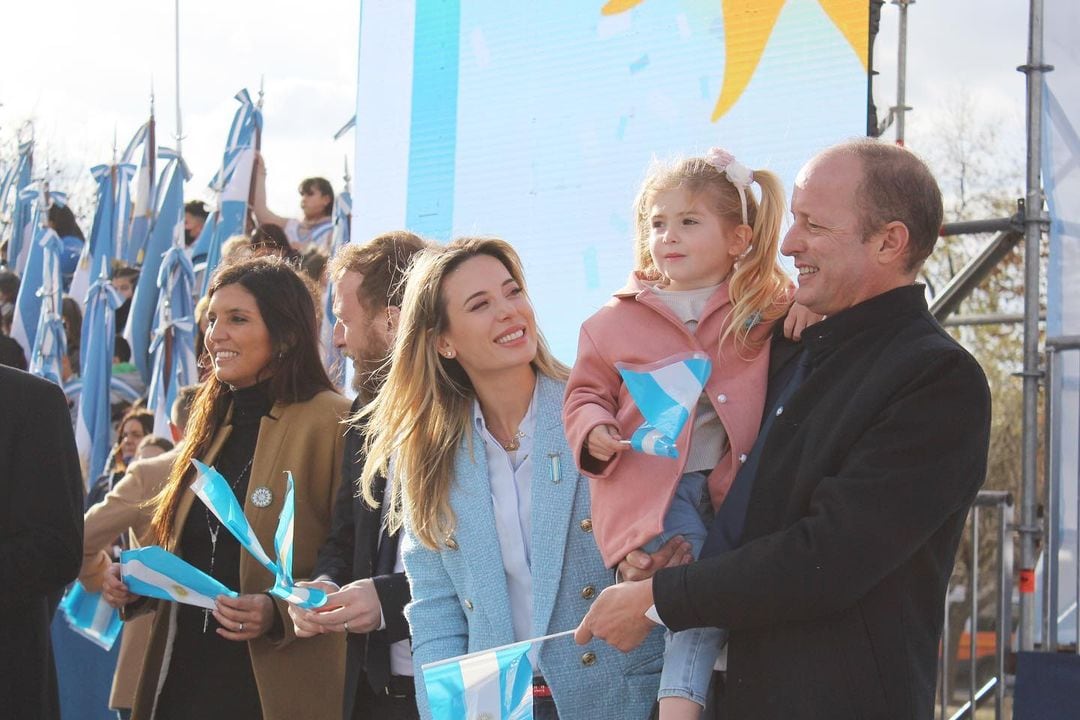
x=359, y=562
x=835, y=597
x=40, y=536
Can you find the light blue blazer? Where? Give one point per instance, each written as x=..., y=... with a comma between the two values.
x=460, y=603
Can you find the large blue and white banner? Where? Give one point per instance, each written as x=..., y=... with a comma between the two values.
x=1061, y=180
x=536, y=122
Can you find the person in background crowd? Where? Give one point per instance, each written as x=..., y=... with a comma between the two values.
x=136, y=424
x=125, y=371
x=268, y=407
x=152, y=446
x=123, y=508
x=360, y=563
x=11, y=353
x=72, y=316
x=195, y=214
x=9, y=291
x=270, y=239
x=834, y=590
x=313, y=264
x=498, y=546
x=62, y=220
x=316, y=204
x=124, y=280
x=40, y=537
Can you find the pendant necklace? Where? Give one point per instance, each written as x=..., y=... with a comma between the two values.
x=214, y=533
x=514, y=443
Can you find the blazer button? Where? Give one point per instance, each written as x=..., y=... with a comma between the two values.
x=468, y=604
x=721, y=398
x=588, y=592
x=586, y=525
x=451, y=543
x=742, y=458
x=588, y=659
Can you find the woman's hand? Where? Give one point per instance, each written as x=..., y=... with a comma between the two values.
x=604, y=442
x=304, y=621
x=244, y=618
x=113, y=589
x=799, y=318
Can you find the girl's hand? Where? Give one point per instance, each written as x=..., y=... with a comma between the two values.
x=799, y=318
x=113, y=589
x=604, y=442
x=244, y=618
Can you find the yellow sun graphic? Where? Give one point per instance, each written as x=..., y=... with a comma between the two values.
x=747, y=27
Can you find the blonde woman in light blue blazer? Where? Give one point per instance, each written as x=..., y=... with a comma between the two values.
x=498, y=544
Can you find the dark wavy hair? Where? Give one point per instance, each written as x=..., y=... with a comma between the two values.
x=295, y=372
x=63, y=221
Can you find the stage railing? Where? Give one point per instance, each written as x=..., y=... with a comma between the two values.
x=1001, y=503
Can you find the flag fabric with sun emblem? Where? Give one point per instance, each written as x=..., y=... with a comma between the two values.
x=217, y=495
x=157, y=573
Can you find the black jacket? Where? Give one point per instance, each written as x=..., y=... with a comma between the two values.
x=349, y=554
x=41, y=528
x=835, y=600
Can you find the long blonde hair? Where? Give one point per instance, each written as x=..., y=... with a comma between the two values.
x=759, y=287
x=421, y=414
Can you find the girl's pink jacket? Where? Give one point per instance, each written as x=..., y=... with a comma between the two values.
x=632, y=491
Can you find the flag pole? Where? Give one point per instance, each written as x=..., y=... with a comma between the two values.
x=459, y=658
x=179, y=124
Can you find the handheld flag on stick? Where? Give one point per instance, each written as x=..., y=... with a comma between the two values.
x=157, y=573
x=217, y=495
x=495, y=683
x=665, y=393
x=88, y=614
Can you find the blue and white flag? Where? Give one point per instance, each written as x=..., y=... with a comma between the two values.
x=173, y=344
x=217, y=495
x=93, y=425
x=157, y=573
x=103, y=236
x=89, y=615
x=24, y=324
x=167, y=232
x=494, y=684
x=50, y=340
x=233, y=180
x=137, y=232
x=22, y=229
x=665, y=393
x=333, y=358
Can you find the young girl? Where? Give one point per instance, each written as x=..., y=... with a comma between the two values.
x=707, y=279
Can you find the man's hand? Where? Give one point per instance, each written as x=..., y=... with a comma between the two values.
x=302, y=624
x=640, y=565
x=799, y=318
x=356, y=609
x=618, y=616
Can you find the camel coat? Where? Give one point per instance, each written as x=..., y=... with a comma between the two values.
x=124, y=508
x=295, y=677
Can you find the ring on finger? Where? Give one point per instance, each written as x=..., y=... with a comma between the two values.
x=345, y=623
x=241, y=628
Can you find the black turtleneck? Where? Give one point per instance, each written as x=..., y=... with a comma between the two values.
x=209, y=676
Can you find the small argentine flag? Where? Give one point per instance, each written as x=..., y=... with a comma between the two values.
x=89, y=615
x=157, y=573
x=665, y=393
x=495, y=683
x=218, y=496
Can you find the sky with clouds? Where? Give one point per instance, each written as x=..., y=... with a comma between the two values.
x=83, y=73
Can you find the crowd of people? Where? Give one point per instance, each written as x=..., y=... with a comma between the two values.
x=788, y=559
